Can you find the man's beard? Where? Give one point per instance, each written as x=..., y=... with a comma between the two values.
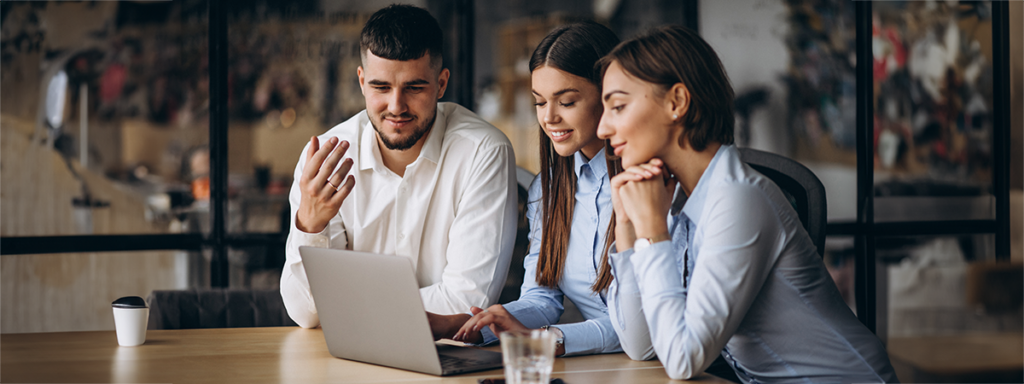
x=403, y=143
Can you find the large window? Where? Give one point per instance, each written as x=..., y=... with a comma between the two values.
x=106, y=112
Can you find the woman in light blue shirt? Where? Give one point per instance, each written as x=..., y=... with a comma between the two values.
x=726, y=268
x=569, y=206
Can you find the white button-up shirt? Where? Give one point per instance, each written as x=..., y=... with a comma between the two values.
x=453, y=213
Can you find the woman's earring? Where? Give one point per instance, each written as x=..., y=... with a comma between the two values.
x=675, y=117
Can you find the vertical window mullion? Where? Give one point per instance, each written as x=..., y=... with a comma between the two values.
x=218, y=59
x=1001, y=125
x=865, y=287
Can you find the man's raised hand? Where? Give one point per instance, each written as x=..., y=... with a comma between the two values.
x=323, y=191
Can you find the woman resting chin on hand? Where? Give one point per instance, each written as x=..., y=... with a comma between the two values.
x=732, y=272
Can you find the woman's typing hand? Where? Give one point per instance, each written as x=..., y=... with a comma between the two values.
x=495, y=317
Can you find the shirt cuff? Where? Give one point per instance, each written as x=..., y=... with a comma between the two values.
x=577, y=339
x=319, y=240
x=657, y=267
x=656, y=251
x=614, y=249
x=488, y=336
x=622, y=271
x=619, y=261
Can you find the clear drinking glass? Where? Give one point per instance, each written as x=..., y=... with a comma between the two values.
x=528, y=356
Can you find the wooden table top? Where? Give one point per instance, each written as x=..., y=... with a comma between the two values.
x=252, y=355
x=961, y=354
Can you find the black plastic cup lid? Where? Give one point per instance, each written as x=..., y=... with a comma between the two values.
x=130, y=302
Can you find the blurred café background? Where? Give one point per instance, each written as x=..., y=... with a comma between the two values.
x=109, y=180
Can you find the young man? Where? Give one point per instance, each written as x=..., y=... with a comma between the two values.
x=407, y=176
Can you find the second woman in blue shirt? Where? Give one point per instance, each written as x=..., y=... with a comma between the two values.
x=569, y=205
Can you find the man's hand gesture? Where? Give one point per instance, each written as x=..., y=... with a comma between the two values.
x=323, y=192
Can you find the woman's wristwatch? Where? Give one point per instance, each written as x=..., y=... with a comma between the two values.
x=645, y=242
x=559, y=336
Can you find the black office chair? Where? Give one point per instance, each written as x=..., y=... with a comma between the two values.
x=803, y=189
x=217, y=308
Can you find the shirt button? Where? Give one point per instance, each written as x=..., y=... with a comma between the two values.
x=401, y=236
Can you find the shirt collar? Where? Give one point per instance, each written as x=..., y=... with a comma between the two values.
x=432, y=148
x=369, y=151
x=598, y=165
x=695, y=202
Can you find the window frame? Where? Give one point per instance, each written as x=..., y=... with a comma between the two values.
x=864, y=229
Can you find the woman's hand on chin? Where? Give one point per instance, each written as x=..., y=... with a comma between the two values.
x=645, y=195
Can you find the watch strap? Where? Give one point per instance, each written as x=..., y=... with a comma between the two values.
x=559, y=335
x=645, y=242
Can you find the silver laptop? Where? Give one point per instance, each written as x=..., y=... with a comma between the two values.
x=370, y=311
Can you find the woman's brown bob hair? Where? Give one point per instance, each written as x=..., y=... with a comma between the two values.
x=671, y=55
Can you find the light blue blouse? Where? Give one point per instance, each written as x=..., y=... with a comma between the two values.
x=753, y=290
x=539, y=306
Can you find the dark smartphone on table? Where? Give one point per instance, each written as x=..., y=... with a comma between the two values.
x=502, y=381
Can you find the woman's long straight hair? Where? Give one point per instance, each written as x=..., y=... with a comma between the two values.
x=575, y=49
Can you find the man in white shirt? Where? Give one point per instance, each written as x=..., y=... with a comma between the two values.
x=407, y=176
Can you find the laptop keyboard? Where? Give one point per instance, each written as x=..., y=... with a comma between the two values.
x=452, y=362
x=456, y=364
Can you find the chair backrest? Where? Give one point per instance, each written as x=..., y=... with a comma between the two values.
x=217, y=308
x=800, y=185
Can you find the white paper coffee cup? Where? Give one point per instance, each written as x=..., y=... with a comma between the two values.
x=131, y=315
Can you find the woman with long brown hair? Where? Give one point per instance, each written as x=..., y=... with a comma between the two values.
x=569, y=205
x=726, y=268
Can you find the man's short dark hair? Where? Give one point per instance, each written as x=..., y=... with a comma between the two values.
x=402, y=32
